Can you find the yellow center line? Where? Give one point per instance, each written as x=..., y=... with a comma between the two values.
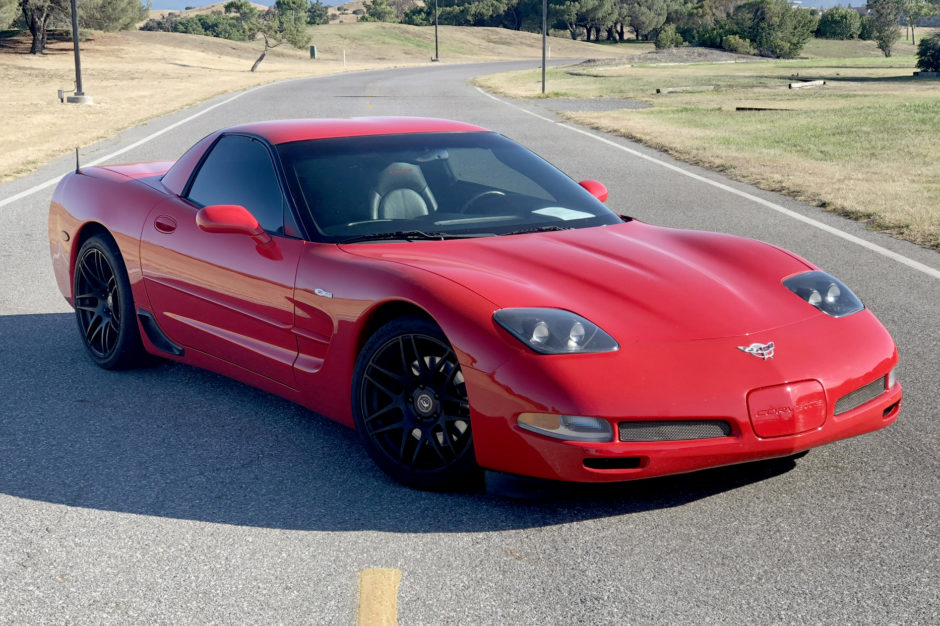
x=378, y=597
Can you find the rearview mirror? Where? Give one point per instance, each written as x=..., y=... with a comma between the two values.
x=596, y=189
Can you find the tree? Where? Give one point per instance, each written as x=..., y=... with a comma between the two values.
x=111, y=15
x=839, y=23
x=285, y=22
x=646, y=16
x=913, y=10
x=317, y=13
x=884, y=24
x=38, y=14
x=8, y=11
x=377, y=11
x=668, y=37
x=928, y=54
x=776, y=28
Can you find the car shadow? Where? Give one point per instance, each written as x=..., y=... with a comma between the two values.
x=178, y=442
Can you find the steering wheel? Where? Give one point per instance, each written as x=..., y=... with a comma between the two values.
x=483, y=194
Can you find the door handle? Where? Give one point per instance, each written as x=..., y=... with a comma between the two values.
x=165, y=224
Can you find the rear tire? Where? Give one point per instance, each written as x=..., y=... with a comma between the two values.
x=411, y=409
x=104, y=306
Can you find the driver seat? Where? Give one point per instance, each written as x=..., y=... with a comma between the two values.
x=401, y=192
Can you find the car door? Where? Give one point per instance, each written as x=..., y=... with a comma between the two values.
x=222, y=293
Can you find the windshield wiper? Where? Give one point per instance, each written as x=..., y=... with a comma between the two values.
x=412, y=235
x=537, y=229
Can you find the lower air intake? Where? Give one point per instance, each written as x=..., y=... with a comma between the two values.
x=673, y=430
x=860, y=396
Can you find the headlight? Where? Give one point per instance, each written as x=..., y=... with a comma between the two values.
x=825, y=292
x=554, y=331
x=568, y=427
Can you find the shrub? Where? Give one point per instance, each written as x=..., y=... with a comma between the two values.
x=733, y=43
x=668, y=37
x=928, y=54
x=839, y=23
x=865, y=32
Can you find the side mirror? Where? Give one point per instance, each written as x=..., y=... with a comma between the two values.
x=596, y=189
x=232, y=219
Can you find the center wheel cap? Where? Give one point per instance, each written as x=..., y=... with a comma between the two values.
x=424, y=402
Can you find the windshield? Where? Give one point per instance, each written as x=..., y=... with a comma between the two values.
x=432, y=186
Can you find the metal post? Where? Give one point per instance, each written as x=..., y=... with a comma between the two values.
x=437, y=54
x=78, y=58
x=544, y=38
x=79, y=97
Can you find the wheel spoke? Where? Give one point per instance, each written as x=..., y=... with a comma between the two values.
x=381, y=387
x=405, y=369
x=94, y=328
x=422, y=366
x=442, y=362
x=89, y=276
x=421, y=440
x=379, y=413
x=379, y=368
x=405, y=436
x=436, y=445
x=399, y=425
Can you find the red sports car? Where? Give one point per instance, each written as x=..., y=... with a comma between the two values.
x=464, y=305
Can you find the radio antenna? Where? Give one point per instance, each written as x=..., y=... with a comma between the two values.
x=78, y=169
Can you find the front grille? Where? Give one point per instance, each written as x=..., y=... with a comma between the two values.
x=860, y=396
x=673, y=430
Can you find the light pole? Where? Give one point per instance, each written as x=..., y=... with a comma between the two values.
x=437, y=55
x=79, y=97
x=544, y=36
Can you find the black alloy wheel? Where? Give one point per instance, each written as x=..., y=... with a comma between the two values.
x=104, y=306
x=411, y=408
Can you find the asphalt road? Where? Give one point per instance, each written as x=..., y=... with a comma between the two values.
x=172, y=495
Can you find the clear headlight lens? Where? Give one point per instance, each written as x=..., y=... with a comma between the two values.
x=555, y=331
x=568, y=427
x=826, y=293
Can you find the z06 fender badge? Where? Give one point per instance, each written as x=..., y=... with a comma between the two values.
x=760, y=350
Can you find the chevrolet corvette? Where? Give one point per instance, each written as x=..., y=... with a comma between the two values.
x=463, y=304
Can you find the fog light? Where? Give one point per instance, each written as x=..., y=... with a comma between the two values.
x=568, y=427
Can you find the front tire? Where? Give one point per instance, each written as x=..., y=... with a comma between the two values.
x=411, y=408
x=104, y=305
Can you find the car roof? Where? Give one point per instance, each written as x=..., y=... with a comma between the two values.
x=284, y=131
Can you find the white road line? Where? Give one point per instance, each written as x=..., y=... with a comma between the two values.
x=151, y=137
x=900, y=258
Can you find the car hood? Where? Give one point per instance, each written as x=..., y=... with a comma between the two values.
x=638, y=282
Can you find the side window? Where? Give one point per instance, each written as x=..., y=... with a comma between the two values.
x=239, y=171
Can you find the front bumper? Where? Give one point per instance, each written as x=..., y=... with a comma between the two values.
x=700, y=380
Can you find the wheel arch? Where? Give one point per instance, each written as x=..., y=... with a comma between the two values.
x=85, y=232
x=385, y=313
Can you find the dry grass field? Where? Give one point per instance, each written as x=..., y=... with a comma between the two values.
x=135, y=76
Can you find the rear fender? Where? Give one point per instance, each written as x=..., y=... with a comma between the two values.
x=92, y=202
